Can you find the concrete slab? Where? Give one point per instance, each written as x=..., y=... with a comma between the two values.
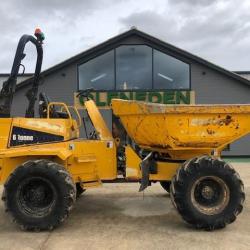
x=118, y=217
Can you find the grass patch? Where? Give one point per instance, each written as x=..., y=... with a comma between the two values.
x=236, y=159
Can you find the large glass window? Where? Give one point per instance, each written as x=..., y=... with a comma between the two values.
x=98, y=73
x=169, y=72
x=133, y=67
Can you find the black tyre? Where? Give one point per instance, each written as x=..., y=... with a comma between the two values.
x=39, y=195
x=166, y=185
x=79, y=190
x=207, y=192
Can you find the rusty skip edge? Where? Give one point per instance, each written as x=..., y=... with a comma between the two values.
x=123, y=107
x=196, y=109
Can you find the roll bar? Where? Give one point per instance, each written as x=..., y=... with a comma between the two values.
x=9, y=86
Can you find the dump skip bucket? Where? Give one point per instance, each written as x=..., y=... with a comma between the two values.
x=169, y=128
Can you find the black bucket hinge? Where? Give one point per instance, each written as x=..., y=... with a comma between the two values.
x=148, y=166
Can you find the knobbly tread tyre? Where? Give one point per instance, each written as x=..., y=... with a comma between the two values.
x=65, y=197
x=180, y=192
x=166, y=185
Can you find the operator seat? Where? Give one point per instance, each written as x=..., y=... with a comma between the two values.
x=44, y=101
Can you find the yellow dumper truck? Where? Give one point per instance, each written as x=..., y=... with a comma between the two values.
x=45, y=165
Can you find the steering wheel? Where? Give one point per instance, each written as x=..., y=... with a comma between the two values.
x=85, y=93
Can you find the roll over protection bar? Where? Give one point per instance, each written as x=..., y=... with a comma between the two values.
x=9, y=86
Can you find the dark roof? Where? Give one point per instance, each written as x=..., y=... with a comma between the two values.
x=147, y=37
x=244, y=72
x=7, y=74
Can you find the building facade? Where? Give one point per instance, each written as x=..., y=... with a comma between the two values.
x=21, y=78
x=135, y=65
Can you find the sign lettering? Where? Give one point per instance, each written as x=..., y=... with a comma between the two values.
x=103, y=99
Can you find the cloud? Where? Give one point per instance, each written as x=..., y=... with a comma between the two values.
x=193, y=3
x=59, y=19
x=216, y=30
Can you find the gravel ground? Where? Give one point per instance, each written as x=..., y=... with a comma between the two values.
x=116, y=216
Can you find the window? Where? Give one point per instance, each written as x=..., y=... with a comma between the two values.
x=98, y=73
x=133, y=67
x=169, y=72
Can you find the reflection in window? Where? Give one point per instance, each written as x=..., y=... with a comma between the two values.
x=133, y=67
x=134, y=70
x=169, y=72
x=98, y=73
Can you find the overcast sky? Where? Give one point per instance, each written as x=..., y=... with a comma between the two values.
x=218, y=31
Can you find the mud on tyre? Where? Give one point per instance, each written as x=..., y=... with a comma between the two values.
x=208, y=193
x=39, y=195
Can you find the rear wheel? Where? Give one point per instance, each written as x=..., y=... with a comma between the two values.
x=39, y=195
x=207, y=192
x=166, y=185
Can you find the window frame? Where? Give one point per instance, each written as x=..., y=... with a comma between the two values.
x=188, y=63
x=135, y=90
x=89, y=59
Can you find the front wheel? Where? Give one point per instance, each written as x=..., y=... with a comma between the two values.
x=39, y=195
x=207, y=192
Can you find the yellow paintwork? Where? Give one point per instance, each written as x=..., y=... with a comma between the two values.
x=5, y=127
x=183, y=131
x=132, y=164
x=62, y=127
x=180, y=131
x=98, y=121
x=165, y=170
x=88, y=161
x=95, y=156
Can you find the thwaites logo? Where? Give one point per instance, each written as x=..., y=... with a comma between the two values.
x=23, y=136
